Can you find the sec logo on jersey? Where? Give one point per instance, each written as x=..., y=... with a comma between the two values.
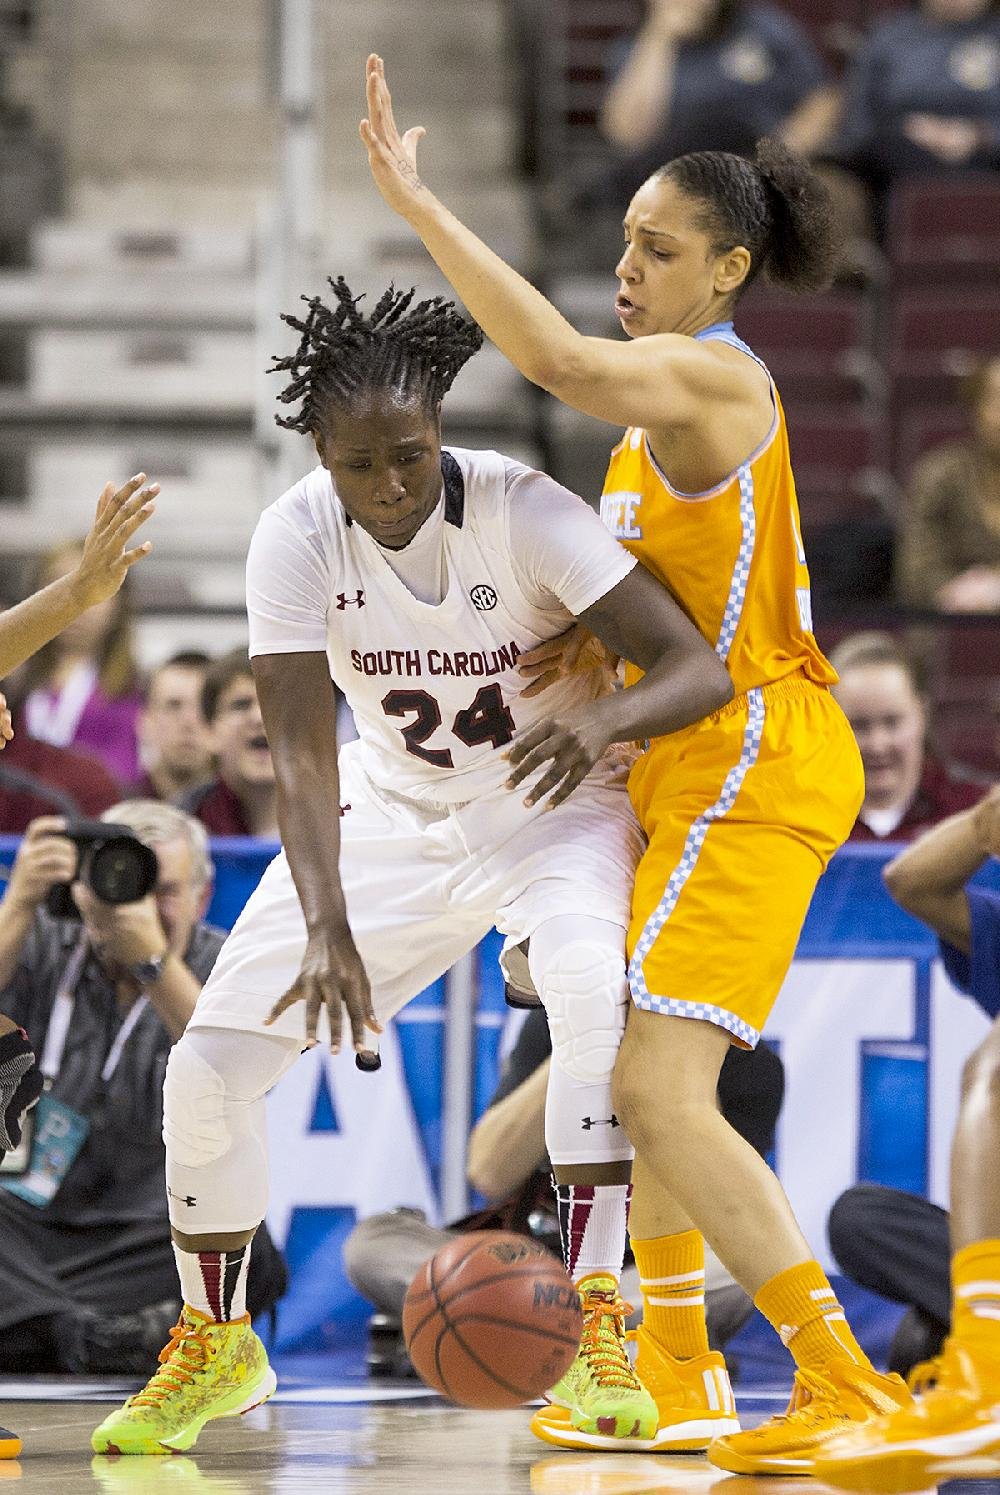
x=483, y=597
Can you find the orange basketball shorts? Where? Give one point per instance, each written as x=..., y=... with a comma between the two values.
x=742, y=811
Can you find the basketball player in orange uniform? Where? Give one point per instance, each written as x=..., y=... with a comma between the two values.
x=742, y=811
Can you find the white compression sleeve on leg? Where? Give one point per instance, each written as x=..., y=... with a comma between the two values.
x=215, y=1127
x=578, y=967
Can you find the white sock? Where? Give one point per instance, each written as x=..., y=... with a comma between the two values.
x=593, y=1224
x=215, y=1282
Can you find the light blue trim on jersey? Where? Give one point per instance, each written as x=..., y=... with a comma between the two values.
x=724, y=332
x=744, y=560
x=672, y=1006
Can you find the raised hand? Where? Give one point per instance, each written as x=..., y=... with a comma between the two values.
x=105, y=560
x=391, y=156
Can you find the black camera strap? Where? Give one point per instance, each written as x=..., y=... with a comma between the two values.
x=62, y=1016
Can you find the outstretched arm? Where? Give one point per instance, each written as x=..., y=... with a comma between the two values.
x=928, y=879
x=298, y=705
x=658, y=382
x=24, y=629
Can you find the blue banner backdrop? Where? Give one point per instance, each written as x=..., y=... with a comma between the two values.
x=872, y=1034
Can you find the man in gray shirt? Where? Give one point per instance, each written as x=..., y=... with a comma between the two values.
x=86, y=1264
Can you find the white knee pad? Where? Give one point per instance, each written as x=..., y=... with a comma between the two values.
x=215, y=1127
x=195, y=1129
x=585, y=992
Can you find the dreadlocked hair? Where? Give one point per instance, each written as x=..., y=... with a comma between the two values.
x=775, y=206
x=401, y=349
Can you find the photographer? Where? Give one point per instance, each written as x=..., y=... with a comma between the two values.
x=87, y=1277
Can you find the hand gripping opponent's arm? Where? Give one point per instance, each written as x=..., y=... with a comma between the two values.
x=684, y=680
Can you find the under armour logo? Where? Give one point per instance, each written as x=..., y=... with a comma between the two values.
x=344, y=601
x=483, y=597
x=188, y=1199
x=590, y=1121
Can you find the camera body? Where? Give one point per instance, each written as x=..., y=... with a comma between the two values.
x=115, y=865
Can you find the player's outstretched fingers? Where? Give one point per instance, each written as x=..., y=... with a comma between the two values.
x=299, y=991
x=522, y=753
x=548, y=781
x=334, y=999
x=572, y=780
x=360, y=1012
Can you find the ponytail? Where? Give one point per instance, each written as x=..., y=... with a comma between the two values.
x=775, y=206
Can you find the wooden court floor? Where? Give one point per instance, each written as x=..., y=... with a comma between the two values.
x=422, y=1447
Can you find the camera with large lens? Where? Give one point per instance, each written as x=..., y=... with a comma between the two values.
x=115, y=865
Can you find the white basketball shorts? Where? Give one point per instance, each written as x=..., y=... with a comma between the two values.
x=424, y=885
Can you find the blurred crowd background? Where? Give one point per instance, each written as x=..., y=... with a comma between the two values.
x=171, y=178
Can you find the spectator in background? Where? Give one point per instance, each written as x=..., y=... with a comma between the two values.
x=923, y=95
x=83, y=687
x=241, y=800
x=906, y=788
x=37, y=778
x=712, y=75
x=949, y=535
x=895, y=1243
x=173, y=734
x=87, y=1275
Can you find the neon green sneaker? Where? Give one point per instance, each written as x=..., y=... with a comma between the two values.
x=600, y=1401
x=207, y=1370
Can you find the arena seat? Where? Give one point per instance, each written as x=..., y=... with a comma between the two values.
x=837, y=458
x=936, y=336
x=919, y=428
x=945, y=230
x=817, y=347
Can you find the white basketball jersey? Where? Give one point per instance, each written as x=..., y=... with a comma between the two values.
x=434, y=689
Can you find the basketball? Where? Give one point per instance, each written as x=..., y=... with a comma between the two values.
x=492, y=1320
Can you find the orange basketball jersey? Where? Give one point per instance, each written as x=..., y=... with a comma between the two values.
x=732, y=556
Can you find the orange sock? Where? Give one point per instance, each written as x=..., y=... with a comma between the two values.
x=672, y=1275
x=802, y=1307
x=975, y=1277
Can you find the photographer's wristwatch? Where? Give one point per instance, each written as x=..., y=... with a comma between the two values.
x=147, y=972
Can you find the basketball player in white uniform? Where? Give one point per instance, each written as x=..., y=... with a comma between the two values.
x=416, y=575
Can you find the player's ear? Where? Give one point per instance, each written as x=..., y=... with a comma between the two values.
x=320, y=446
x=731, y=269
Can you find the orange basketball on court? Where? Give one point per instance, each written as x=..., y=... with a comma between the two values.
x=492, y=1320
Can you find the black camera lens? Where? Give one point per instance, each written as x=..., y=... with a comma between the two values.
x=121, y=870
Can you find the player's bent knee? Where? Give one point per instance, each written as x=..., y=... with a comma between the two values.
x=194, y=1109
x=586, y=999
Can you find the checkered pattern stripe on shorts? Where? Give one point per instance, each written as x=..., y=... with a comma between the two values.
x=689, y=856
x=741, y=572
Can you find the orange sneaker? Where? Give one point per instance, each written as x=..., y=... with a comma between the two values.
x=10, y=1444
x=694, y=1400
x=694, y=1404
x=951, y=1431
x=824, y=1404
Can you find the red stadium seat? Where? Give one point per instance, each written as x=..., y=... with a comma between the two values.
x=946, y=230
x=937, y=336
x=816, y=347
x=836, y=457
x=920, y=428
